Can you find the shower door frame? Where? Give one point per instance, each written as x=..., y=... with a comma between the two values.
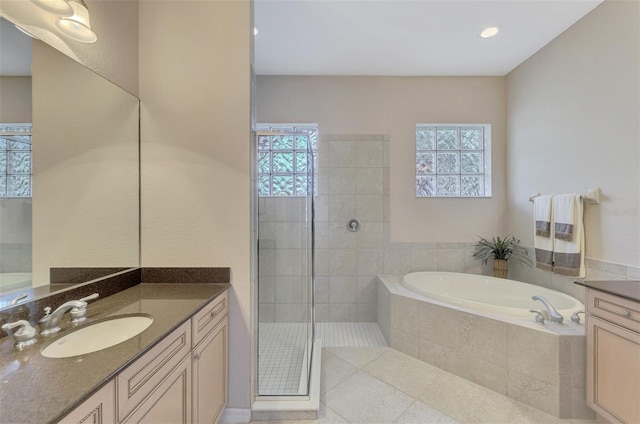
x=309, y=228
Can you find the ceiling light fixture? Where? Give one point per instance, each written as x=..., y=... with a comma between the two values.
x=24, y=31
x=77, y=26
x=255, y=31
x=489, y=32
x=58, y=7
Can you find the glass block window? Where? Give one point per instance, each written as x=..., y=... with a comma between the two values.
x=285, y=166
x=453, y=160
x=15, y=160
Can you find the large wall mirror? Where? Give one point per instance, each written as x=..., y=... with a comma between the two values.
x=82, y=206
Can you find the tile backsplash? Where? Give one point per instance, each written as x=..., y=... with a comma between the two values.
x=595, y=270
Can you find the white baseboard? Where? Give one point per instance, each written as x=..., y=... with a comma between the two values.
x=236, y=415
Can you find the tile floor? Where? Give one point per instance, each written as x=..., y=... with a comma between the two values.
x=377, y=385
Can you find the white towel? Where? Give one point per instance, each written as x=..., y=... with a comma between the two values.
x=564, y=217
x=542, y=215
x=568, y=257
x=543, y=244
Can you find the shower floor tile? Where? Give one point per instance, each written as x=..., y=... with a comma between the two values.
x=281, y=349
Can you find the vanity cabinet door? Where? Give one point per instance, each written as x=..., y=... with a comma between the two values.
x=170, y=402
x=100, y=408
x=142, y=377
x=210, y=375
x=613, y=370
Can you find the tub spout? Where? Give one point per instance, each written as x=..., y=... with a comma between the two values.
x=553, y=314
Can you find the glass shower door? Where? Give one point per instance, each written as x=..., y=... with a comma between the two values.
x=285, y=263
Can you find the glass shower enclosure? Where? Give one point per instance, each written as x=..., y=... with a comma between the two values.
x=285, y=232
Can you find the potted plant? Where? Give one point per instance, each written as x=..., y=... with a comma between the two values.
x=501, y=250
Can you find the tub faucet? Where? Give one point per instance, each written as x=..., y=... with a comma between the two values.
x=50, y=322
x=539, y=316
x=553, y=314
x=575, y=317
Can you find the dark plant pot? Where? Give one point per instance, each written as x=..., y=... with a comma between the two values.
x=500, y=268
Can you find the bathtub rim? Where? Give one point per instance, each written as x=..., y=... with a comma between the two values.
x=395, y=287
x=557, y=298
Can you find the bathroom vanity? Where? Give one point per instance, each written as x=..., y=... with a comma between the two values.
x=174, y=371
x=613, y=349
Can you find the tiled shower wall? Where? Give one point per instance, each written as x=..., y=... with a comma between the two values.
x=15, y=235
x=283, y=288
x=353, y=182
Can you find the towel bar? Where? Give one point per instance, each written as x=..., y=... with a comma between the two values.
x=592, y=196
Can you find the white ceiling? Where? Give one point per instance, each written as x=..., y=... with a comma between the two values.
x=405, y=37
x=383, y=37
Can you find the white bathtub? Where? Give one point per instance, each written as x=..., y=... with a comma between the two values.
x=488, y=294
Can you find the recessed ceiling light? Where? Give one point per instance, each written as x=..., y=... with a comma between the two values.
x=489, y=32
x=255, y=31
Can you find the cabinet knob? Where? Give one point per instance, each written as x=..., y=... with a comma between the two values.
x=197, y=356
x=213, y=314
x=625, y=313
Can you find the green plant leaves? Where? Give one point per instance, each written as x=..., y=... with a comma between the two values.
x=497, y=248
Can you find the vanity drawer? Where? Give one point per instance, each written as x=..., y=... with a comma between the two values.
x=205, y=320
x=140, y=378
x=617, y=310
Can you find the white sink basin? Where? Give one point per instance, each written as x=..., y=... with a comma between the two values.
x=97, y=336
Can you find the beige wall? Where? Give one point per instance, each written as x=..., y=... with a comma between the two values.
x=393, y=106
x=195, y=137
x=85, y=168
x=573, y=124
x=15, y=99
x=115, y=54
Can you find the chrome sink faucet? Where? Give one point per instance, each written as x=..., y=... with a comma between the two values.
x=50, y=322
x=554, y=315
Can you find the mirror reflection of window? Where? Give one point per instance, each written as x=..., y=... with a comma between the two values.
x=15, y=160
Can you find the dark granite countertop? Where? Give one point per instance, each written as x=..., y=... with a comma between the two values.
x=35, y=389
x=629, y=289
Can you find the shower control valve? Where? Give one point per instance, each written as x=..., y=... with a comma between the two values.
x=353, y=225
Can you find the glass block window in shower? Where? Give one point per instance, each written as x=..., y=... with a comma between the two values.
x=15, y=160
x=453, y=160
x=285, y=156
